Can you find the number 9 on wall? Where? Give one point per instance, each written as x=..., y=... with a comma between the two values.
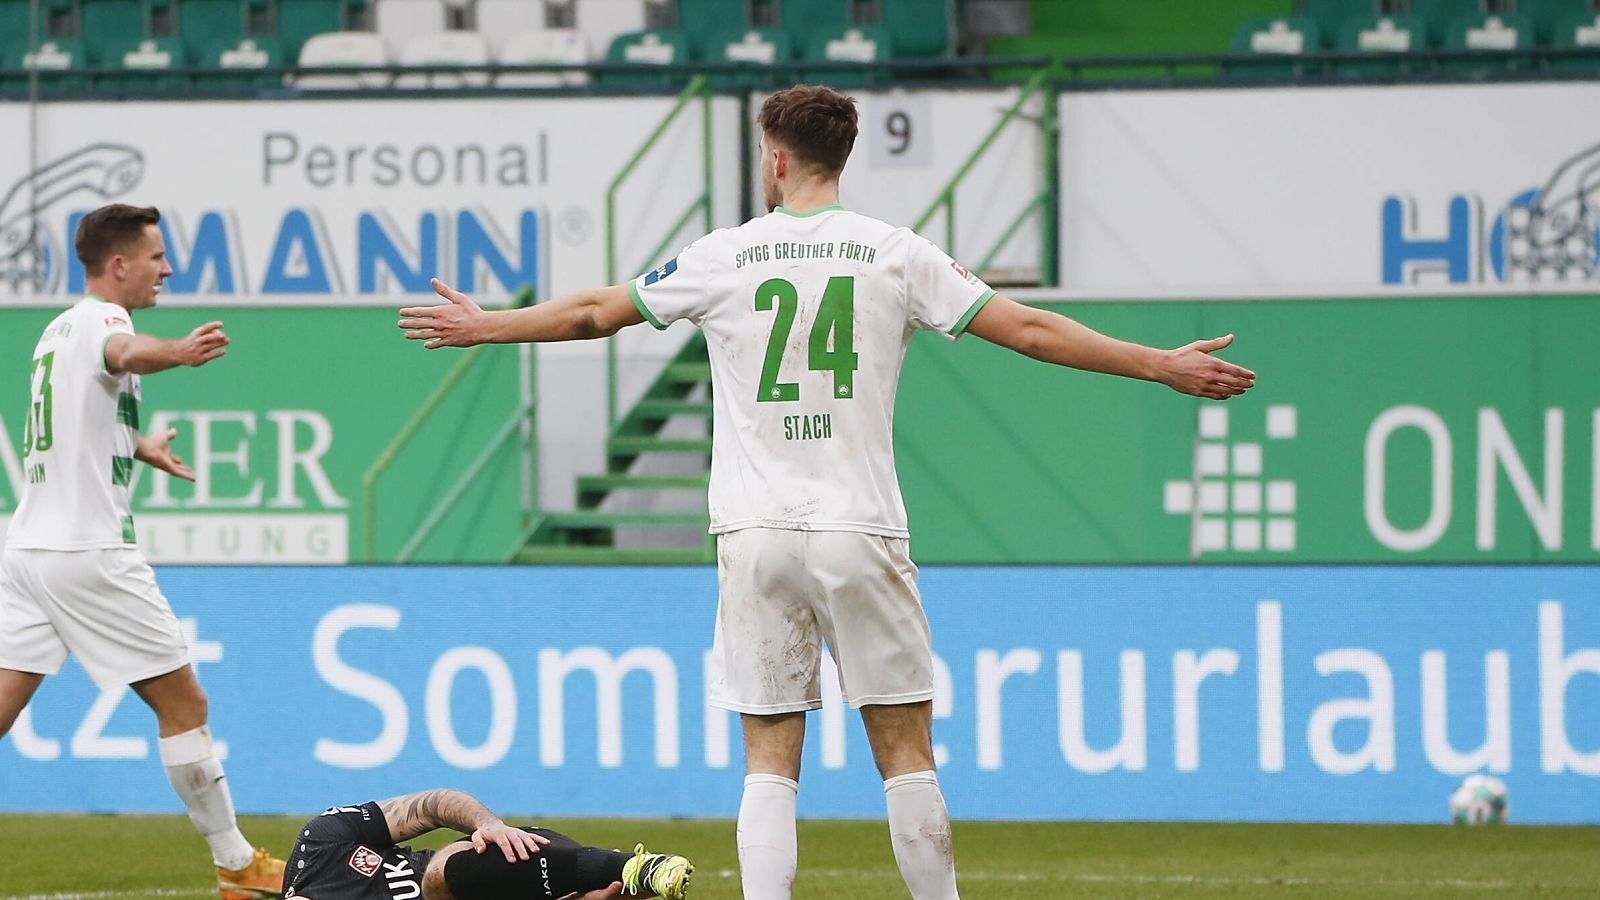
x=899, y=131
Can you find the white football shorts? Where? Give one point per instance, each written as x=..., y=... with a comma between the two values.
x=783, y=592
x=101, y=605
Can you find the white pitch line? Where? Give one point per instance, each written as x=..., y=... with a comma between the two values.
x=1215, y=880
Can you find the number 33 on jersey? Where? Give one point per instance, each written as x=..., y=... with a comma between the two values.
x=806, y=318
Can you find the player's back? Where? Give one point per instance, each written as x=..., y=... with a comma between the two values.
x=806, y=318
x=79, y=438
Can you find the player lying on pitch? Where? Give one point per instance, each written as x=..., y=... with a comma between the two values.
x=353, y=853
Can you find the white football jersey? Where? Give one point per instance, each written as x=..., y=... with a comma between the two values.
x=81, y=432
x=806, y=318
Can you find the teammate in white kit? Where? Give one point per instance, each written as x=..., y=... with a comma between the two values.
x=807, y=312
x=72, y=579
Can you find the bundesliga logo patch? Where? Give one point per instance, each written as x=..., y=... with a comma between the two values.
x=365, y=861
x=116, y=320
x=661, y=271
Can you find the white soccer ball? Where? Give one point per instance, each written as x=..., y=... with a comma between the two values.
x=1480, y=800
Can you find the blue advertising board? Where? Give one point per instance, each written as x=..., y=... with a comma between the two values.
x=1184, y=693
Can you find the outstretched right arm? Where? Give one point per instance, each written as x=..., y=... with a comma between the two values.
x=1054, y=338
x=142, y=354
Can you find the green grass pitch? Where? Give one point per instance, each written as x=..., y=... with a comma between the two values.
x=116, y=857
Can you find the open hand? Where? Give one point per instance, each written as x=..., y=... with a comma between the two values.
x=513, y=842
x=453, y=324
x=156, y=450
x=202, y=345
x=1191, y=369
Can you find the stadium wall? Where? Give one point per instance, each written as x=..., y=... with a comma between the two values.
x=1166, y=693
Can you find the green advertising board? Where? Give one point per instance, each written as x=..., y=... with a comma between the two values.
x=283, y=428
x=1380, y=430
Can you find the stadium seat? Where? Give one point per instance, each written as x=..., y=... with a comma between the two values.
x=921, y=28
x=339, y=49
x=554, y=45
x=1582, y=30
x=498, y=20
x=398, y=21
x=203, y=23
x=1332, y=16
x=143, y=55
x=1387, y=41
x=707, y=22
x=602, y=21
x=53, y=55
x=1438, y=14
x=853, y=45
x=1260, y=44
x=445, y=48
x=300, y=20
x=757, y=48
x=645, y=49
x=1499, y=33
x=237, y=62
x=1549, y=15
x=107, y=25
x=804, y=18
x=16, y=17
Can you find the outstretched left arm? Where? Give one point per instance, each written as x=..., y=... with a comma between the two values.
x=581, y=315
x=416, y=814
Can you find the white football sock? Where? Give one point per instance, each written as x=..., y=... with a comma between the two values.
x=196, y=774
x=768, y=848
x=919, y=828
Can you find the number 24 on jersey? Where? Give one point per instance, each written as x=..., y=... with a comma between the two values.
x=835, y=319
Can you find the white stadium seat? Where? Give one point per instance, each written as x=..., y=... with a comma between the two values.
x=398, y=21
x=498, y=20
x=602, y=20
x=553, y=45
x=447, y=48
x=343, y=48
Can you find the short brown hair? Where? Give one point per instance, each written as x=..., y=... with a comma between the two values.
x=814, y=122
x=109, y=230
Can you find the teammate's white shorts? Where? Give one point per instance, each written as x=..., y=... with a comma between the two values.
x=782, y=592
x=102, y=605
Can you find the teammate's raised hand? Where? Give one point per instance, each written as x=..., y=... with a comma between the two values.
x=1191, y=369
x=156, y=450
x=202, y=345
x=453, y=324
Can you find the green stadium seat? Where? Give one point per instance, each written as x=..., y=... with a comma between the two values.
x=143, y=54
x=864, y=45
x=1549, y=15
x=301, y=20
x=645, y=49
x=803, y=18
x=107, y=26
x=1503, y=33
x=1581, y=30
x=205, y=23
x=1387, y=41
x=1265, y=48
x=1332, y=15
x=1438, y=14
x=53, y=55
x=704, y=22
x=16, y=19
x=237, y=63
x=921, y=28
x=758, y=48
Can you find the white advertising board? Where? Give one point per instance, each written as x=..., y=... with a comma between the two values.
x=1310, y=190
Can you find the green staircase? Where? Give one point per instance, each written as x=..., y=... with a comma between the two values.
x=623, y=497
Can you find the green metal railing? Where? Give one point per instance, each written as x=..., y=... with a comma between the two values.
x=1044, y=203
x=699, y=86
x=522, y=425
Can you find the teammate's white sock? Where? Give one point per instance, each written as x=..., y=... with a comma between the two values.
x=919, y=828
x=196, y=774
x=768, y=848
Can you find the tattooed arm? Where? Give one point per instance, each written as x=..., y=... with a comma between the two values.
x=418, y=814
